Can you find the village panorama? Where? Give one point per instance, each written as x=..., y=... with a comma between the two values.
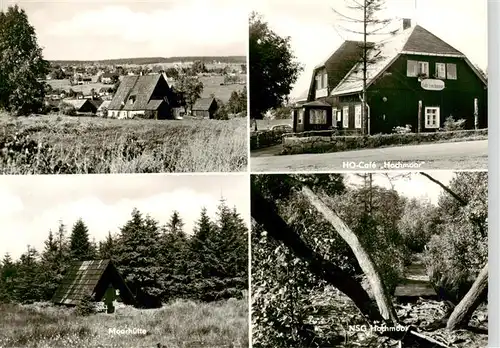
x=100, y=263
x=395, y=88
x=118, y=115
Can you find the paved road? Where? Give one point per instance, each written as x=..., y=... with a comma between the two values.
x=455, y=155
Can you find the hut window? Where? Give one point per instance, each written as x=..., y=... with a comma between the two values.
x=325, y=80
x=451, y=70
x=412, y=68
x=357, y=116
x=423, y=68
x=301, y=116
x=335, y=116
x=432, y=117
x=441, y=70
x=317, y=117
x=345, y=115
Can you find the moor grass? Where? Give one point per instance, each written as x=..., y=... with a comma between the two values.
x=53, y=144
x=180, y=324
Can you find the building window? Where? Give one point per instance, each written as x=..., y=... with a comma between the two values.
x=345, y=117
x=441, y=70
x=301, y=116
x=325, y=80
x=357, y=116
x=415, y=68
x=432, y=117
x=336, y=116
x=451, y=71
x=317, y=116
x=319, y=81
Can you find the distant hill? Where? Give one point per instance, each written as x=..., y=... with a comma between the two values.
x=154, y=60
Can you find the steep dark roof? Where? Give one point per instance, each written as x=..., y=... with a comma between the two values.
x=338, y=64
x=203, y=104
x=140, y=87
x=78, y=103
x=90, y=278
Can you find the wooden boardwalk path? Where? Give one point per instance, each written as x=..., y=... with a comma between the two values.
x=416, y=282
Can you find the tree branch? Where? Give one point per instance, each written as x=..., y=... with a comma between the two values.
x=265, y=213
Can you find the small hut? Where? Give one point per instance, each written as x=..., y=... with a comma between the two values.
x=312, y=116
x=205, y=108
x=82, y=106
x=91, y=278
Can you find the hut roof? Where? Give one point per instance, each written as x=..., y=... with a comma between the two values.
x=90, y=278
x=139, y=87
x=77, y=103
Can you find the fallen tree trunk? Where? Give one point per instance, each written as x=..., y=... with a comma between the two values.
x=265, y=213
x=462, y=313
x=365, y=262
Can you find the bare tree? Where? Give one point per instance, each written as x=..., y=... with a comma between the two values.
x=364, y=14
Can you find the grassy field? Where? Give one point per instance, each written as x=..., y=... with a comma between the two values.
x=85, y=89
x=181, y=324
x=53, y=144
x=212, y=84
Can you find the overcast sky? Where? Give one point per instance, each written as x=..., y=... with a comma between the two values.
x=412, y=186
x=93, y=30
x=310, y=24
x=30, y=206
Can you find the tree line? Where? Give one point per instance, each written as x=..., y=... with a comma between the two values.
x=159, y=261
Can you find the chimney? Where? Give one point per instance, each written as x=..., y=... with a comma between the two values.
x=406, y=23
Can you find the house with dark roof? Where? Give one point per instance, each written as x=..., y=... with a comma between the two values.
x=91, y=279
x=147, y=96
x=82, y=106
x=205, y=108
x=413, y=78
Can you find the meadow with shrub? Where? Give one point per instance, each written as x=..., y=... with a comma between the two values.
x=295, y=303
x=52, y=144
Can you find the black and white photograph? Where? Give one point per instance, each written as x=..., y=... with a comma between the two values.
x=124, y=261
x=123, y=87
x=371, y=259
x=370, y=85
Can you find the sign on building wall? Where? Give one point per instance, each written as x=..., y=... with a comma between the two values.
x=432, y=85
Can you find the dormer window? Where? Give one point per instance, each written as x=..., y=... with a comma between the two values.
x=321, y=80
x=416, y=69
x=131, y=99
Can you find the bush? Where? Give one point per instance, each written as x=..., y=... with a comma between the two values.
x=67, y=109
x=402, y=130
x=451, y=125
x=327, y=141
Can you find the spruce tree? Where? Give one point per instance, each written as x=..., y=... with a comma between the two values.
x=137, y=255
x=8, y=272
x=107, y=248
x=80, y=246
x=28, y=285
x=174, y=245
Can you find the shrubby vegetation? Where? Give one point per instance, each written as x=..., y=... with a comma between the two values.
x=289, y=306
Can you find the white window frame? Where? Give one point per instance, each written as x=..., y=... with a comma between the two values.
x=317, y=116
x=423, y=68
x=325, y=80
x=345, y=117
x=441, y=70
x=357, y=116
x=300, y=116
x=335, y=116
x=451, y=74
x=411, y=68
x=432, y=124
x=319, y=82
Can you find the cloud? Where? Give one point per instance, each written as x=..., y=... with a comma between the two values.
x=176, y=28
x=9, y=203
